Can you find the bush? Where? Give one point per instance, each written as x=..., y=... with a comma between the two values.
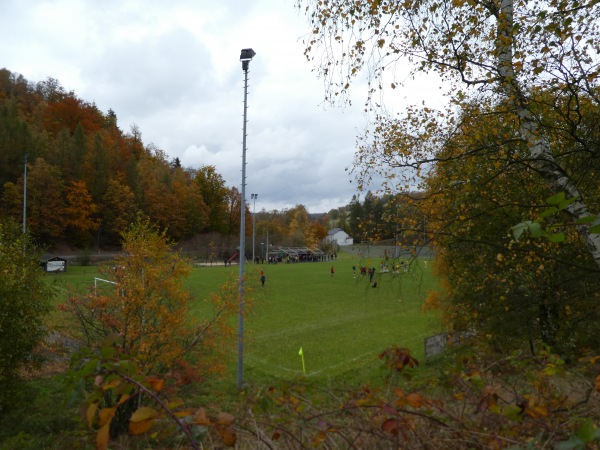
x=24, y=304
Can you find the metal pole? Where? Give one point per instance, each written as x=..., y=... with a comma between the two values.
x=240, y=364
x=254, y=196
x=25, y=196
x=396, y=236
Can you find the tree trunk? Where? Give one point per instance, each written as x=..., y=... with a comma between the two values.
x=538, y=145
x=558, y=180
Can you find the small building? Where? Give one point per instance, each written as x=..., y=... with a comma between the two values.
x=340, y=237
x=55, y=264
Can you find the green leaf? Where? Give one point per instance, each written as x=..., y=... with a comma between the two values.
x=570, y=444
x=549, y=212
x=563, y=205
x=518, y=229
x=535, y=229
x=476, y=380
x=595, y=229
x=107, y=352
x=556, y=199
x=512, y=412
x=586, y=431
x=584, y=220
x=556, y=237
x=90, y=367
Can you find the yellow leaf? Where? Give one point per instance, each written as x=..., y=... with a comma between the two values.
x=111, y=384
x=141, y=427
x=537, y=411
x=102, y=437
x=91, y=413
x=105, y=415
x=184, y=413
x=143, y=413
x=123, y=399
x=175, y=404
x=201, y=418
x=156, y=383
x=499, y=257
x=414, y=400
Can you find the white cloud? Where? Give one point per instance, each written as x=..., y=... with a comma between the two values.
x=172, y=68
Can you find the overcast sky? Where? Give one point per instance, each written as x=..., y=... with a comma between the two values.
x=172, y=68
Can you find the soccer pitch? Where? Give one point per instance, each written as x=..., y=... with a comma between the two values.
x=341, y=322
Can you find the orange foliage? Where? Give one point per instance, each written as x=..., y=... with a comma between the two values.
x=147, y=305
x=68, y=112
x=80, y=210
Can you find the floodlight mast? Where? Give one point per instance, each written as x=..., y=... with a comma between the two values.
x=253, y=197
x=245, y=57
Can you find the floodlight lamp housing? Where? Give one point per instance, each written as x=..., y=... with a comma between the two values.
x=247, y=54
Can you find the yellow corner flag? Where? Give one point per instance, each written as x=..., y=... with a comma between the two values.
x=301, y=353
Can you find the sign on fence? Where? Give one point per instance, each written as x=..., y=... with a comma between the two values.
x=435, y=344
x=55, y=264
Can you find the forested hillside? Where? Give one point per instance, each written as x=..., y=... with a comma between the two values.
x=87, y=178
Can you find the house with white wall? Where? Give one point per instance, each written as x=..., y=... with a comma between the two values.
x=340, y=237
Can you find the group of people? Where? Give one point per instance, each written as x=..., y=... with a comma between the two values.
x=365, y=271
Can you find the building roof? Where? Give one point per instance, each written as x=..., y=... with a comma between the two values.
x=298, y=251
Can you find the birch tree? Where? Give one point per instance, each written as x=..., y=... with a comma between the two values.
x=529, y=57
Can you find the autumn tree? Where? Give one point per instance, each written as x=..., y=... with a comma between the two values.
x=355, y=217
x=315, y=234
x=79, y=213
x=298, y=224
x=97, y=168
x=527, y=57
x=76, y=153
x=143, y=309
x=234, y=202
x=271, y=224
x=147, y=304
x=15, y=141
x=158, y=199
x=24, y=302
x=45, y=200
x=68, y=111
x=119, y=210
x=12, y=201
x=529, y=291
x=192, y=208
x=215, y=196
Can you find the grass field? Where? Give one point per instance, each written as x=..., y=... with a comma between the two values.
x=341, y=321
